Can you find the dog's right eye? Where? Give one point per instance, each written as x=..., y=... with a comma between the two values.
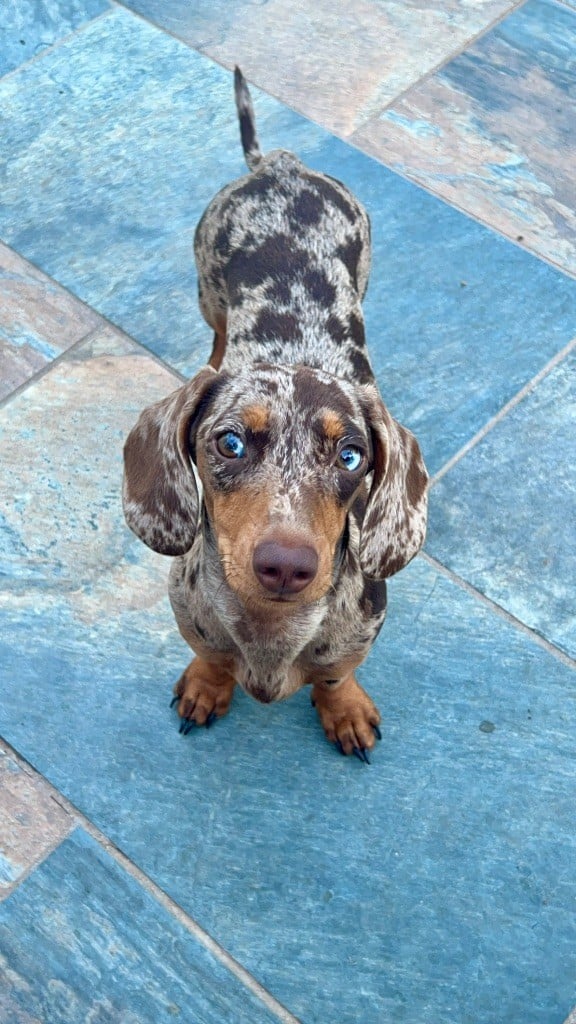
x=231, y=445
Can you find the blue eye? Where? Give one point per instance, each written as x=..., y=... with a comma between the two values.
x=350, y=458
x=231, y=446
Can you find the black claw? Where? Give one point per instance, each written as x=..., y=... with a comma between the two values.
x=339, y=747
x=174, y=701
x=362, y=754
x=377, y=732
x=183, y=724
x=211, y=719
x=190, y=724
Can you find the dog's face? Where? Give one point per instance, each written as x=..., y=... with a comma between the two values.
x=283, y=453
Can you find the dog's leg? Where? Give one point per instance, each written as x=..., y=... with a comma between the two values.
x=348, y=715
x=203, y=692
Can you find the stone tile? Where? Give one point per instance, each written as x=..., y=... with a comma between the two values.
x=492, y=132
x=458, y=319
x=99, y=192
x=451, y=857
x=38, y=320
x=431, y=886
x=28, y=28
x=503, y=517
x=62, y=452
x=337, y=64
x=82, y=941
x=32, y=823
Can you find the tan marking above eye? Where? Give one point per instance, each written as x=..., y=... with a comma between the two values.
x=256, y=417
x=332, y=425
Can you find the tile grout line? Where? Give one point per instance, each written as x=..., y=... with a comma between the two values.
x=349, y=138
x=120, y=5
x=92, y=333
x=49, y=366
x=503, y=412
x=47, y=851
x=453, y=55
x=166, y=902
x=104, y=323
x=499, y=610
x=360, y=146
x=57, y=44
x=518, y=241
x=202, y=50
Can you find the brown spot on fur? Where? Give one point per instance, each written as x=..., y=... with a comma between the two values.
x=417, y=477
x=327, y=519
x=333, y=426
x=256, y=418
x=373, y=598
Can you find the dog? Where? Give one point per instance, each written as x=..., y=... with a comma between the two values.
x=312, y=494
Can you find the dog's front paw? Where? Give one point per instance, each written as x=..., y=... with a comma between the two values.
x=203, y=694
x=349, y=717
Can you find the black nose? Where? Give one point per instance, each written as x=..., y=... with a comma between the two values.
x=282, y=569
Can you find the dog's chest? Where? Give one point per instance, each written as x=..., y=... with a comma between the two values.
x=274, y=656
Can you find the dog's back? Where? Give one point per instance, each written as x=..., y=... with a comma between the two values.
x=283, y=257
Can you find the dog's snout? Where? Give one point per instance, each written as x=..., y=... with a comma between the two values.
x=283, y=569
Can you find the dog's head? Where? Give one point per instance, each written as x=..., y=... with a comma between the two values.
x=283, y=454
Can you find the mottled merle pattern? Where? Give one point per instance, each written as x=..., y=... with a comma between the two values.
x=283, y=257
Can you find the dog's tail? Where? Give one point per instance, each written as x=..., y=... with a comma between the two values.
x=250, y=143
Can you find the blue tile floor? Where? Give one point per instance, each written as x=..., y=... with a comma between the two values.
x=249, y=872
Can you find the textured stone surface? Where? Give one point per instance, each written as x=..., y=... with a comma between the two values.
x=63, y=531
x=449, y=860
x=99, y=948
x=493, y=131
x=458, y=320
x=28, y=27
x=336, y=63
x=436, y=885
x=503, y=518
x=38, y=320
x=31, y=821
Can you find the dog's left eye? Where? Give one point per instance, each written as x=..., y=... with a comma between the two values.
x=231, y=446
x=350, y=458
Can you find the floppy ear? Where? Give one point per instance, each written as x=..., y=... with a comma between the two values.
x=394, y=524
x=160, y=496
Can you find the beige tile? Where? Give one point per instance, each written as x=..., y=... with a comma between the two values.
x=493, y=131
x=32, y=823
x=339, y=64
x=38, y=320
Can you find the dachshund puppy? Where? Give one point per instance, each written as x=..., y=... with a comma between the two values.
x=312, y=494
